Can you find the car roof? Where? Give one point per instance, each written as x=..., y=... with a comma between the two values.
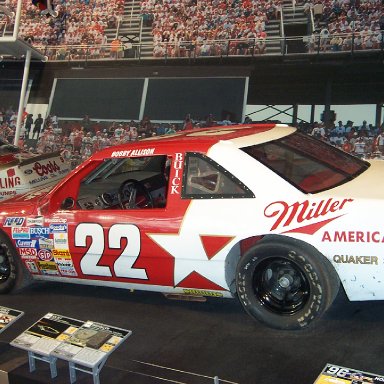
x=199, y=140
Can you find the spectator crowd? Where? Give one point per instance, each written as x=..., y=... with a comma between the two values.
x=79, y=139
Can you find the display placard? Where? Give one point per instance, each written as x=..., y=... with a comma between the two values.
x=8, y=316
x=47, y=333
x=340, y=375
x=91, y=343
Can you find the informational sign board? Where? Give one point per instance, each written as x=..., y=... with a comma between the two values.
x=47, y=333
x=91, y=343
x=340, y=375
x=8, y=316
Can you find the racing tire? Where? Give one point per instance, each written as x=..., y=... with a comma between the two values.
x=285, y=283
x=13, y=274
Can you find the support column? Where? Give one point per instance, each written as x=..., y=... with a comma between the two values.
x=379, y=110
x=312, y=118
x=294, y=114
x=22, y=96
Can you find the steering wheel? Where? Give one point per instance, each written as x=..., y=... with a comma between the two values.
x=132, y=194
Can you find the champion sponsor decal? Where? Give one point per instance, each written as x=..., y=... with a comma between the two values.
x=54, y=228
x=134, y=152
x=13, y=221
x=44, y=255
x=37, y=232
x=28, y=252
x=37, y=221
x=21, y=233
x=26, y=243
x=300, y=213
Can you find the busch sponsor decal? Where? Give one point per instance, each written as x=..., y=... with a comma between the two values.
x=26, y=243
x=21, y=233
x=39, y=232
x=13, y=221
x=28, y=253
x=38, y=221
x=58, y=228
x=44, y=255
x=300, y=213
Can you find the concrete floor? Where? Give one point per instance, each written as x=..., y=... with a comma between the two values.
x=192, y=342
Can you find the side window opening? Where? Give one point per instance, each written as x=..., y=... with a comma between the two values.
x=205, y=179
x=127, y=183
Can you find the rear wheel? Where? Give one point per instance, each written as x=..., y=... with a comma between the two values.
x=13, y=274
x=286, y=284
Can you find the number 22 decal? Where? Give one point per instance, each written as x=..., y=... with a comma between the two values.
x=123, y=266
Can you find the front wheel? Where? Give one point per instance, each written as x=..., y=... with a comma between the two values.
x=285, y=284
x=13, y=275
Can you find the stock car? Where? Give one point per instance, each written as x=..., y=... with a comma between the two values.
x=21, y=171
x=262, y=213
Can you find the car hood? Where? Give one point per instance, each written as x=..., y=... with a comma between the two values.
x=368, y=185
x=27, y=203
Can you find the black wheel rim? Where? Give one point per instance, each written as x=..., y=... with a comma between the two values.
x=5, y=266
x=281, y=285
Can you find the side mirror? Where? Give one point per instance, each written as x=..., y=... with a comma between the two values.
x=68, y=203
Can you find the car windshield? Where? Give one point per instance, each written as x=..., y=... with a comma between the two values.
x=309, y=164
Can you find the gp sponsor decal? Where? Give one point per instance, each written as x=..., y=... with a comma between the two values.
x=37, y=232
x=13, y=221
x=53, y=228
x=347, y=259
x=44, y=255
x=302, y=212
x=198, y=292
x=26, y=243
x=38, y=221
x=353, y=237
x=21, y=233
x=28, y=252
x=176, y=180
x=134, y=152
x=91, y=237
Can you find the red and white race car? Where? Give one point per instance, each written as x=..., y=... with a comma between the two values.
x=22, y=171
x=261, y=212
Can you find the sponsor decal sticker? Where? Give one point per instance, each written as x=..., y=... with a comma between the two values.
x=176, y=180
x=198, y=292
x=48, y=267
x=13, y=221
x=26, y=243
x=45, y=243
x=11, y=181
x=21, y=233
x=32, y=267
x=61, y=253
x=60, y=228
x=37, y=232
x=347, y=259
x=353, y=237
x=28, y=252
x=44, y=255
x=65, y=266
x=55, y=220
x=60, y=240
x=38, y=221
